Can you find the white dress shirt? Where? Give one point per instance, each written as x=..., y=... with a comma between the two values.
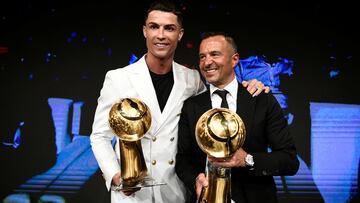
x=231, y=97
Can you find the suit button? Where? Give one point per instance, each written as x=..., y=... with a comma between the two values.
x=172, y=139
x=171, y=162
x=153, y=139
x=153, y=162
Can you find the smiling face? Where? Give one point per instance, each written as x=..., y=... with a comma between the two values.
x=162, y=32
x=217, y=60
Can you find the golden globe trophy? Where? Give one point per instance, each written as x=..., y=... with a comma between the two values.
x=219, y=133
x=130, y=119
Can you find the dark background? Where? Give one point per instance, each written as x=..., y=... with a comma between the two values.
x=64, y=48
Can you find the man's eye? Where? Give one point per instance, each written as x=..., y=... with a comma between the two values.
x=153, y=27
x=171, y=29
x=215, y=54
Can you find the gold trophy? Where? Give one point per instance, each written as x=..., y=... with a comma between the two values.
x=219, y=133
x=130, y=119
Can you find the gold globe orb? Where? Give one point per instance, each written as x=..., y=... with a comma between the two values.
x=220, y=132
x=130, y=119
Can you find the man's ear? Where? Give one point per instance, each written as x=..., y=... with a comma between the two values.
x=235, y=59
x=181, y=34
x=144, y=31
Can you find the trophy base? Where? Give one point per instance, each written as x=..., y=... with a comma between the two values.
x=146, y=182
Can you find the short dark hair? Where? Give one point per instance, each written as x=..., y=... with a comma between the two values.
x=227, y=37
x=165, y=6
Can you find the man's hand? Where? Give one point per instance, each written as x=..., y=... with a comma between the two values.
x=255, y=87
x=200, y=182
x=236, y=160
x=116, y=181
x=130, y=191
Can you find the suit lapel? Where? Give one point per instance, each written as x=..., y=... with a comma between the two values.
x=202, y=104
x=141, y=81
x=175, y=96
x=245, y=108
x=205, y=101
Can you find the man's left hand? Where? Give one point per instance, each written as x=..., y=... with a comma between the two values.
x=236, y=160
x=255, y=87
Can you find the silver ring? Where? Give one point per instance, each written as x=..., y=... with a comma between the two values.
x=116, y=187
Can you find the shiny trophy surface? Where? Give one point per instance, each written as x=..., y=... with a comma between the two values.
x=219, y=133
x=130, y=119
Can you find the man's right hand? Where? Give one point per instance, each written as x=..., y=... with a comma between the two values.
x=130, y=191
x=200, y=182
x=116, y=180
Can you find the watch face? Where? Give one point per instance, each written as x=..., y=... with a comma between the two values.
x=249, y=160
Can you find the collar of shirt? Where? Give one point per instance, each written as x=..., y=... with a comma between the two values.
x=231, y=97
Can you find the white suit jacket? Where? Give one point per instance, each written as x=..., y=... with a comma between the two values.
x=135, y=81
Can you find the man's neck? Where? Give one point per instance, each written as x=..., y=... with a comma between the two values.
x=233, y=83
x=223, y=85
x=158, y=66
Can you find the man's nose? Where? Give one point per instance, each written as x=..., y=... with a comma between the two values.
x=160, y=33
x=208, y=61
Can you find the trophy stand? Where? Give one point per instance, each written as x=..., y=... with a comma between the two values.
x=219, y=189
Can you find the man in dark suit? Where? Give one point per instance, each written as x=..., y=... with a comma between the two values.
x=253, y=167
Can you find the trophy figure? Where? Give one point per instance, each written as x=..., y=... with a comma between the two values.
x=130, y=119
x=219, y=133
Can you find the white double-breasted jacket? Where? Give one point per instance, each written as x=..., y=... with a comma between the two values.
x=159, y=143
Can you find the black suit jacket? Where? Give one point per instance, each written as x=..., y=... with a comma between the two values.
x=265, y=127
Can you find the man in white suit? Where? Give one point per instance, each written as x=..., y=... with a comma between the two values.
x=163, y=85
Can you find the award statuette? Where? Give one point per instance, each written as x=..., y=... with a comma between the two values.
x=130, y=119
x=219, y=133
